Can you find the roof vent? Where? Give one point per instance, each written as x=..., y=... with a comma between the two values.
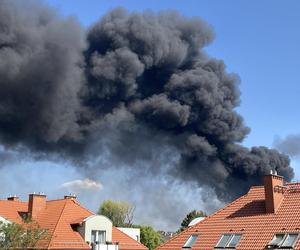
x=13, y=198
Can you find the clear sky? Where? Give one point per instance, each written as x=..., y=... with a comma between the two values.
x=258, y=39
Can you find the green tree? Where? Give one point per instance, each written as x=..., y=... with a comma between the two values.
x=121, y=213
x=149, y=237
x=189, y=217
x=21, y=236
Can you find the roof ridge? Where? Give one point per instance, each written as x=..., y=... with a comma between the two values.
x=60, y=216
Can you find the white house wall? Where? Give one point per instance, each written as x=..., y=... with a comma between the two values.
x=96, y=222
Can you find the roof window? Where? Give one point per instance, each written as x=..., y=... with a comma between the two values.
x=229, y=241
x=191, y=240
x=283, y=241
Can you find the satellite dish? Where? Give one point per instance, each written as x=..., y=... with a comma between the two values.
x=196, y=221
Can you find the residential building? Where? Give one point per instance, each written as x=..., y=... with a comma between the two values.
x=134, y=233
x=267, y=217
x=69, y=225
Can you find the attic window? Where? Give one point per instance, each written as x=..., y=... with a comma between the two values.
x=229, y=241
x=191, y=240
x=283, y=241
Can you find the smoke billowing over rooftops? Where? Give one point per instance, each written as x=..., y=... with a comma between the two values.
x=135, y=86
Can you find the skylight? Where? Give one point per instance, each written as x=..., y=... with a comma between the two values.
x=283, y=241
x=229, y=241
x=191, y=240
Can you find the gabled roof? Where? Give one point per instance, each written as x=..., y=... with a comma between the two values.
x=58, y=218
x=247, y=216
x=11, y=210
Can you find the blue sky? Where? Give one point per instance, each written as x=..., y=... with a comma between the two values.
x=258, y=40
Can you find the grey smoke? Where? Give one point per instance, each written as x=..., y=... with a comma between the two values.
x=139, y=85
x=289, y=145
x=40, y=57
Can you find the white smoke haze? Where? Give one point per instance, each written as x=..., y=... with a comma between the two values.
x=289, y=145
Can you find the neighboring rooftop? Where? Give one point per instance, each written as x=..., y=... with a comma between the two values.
x=58, y=216
x=267, y=217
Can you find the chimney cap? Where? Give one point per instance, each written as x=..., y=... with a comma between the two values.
x=37, y=194
x=13, y=198
x=70, y=196
x=274, y=173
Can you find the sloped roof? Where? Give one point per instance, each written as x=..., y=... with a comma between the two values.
x=126, y=242
x=246, y=216
x=11, y=210
x=58, y=218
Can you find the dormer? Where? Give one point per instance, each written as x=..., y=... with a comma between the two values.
x=96, y=230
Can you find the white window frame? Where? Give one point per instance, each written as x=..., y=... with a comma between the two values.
x=228, y=241
x=186, y=243
x=279, y=246
x=97, y=234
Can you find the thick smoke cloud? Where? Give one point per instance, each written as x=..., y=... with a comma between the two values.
x=140, y=86
x=40, y=77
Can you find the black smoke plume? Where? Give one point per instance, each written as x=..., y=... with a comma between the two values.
x=137, y=86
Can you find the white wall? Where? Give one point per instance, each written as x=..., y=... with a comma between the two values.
x=134, y=233
x=96, y=222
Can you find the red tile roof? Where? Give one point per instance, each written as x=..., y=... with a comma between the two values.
x=57, y=218
x=126, y=242
x=247, y=216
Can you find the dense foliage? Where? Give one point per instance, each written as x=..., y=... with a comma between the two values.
x=189, y=217
x=119, y=212
x=21, y=236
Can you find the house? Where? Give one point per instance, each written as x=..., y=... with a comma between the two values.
x=267, y=217
x=69, y=225
x=134, y=233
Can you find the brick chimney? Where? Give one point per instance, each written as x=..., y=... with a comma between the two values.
x=13, y=198
x=274, y=190
x=36, y=204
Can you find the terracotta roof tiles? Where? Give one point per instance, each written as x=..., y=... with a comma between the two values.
x=247, y=216
x=58, y=218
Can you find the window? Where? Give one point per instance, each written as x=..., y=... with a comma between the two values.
x=191, y=240
x=229, y=241
x=98, y=237
x=281, y=241
x=234, y=240
x=277, y=240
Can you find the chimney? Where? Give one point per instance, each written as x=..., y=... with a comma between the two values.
x=70, y=196
x=36, y=204
x=274, y=190
x=13, y=198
